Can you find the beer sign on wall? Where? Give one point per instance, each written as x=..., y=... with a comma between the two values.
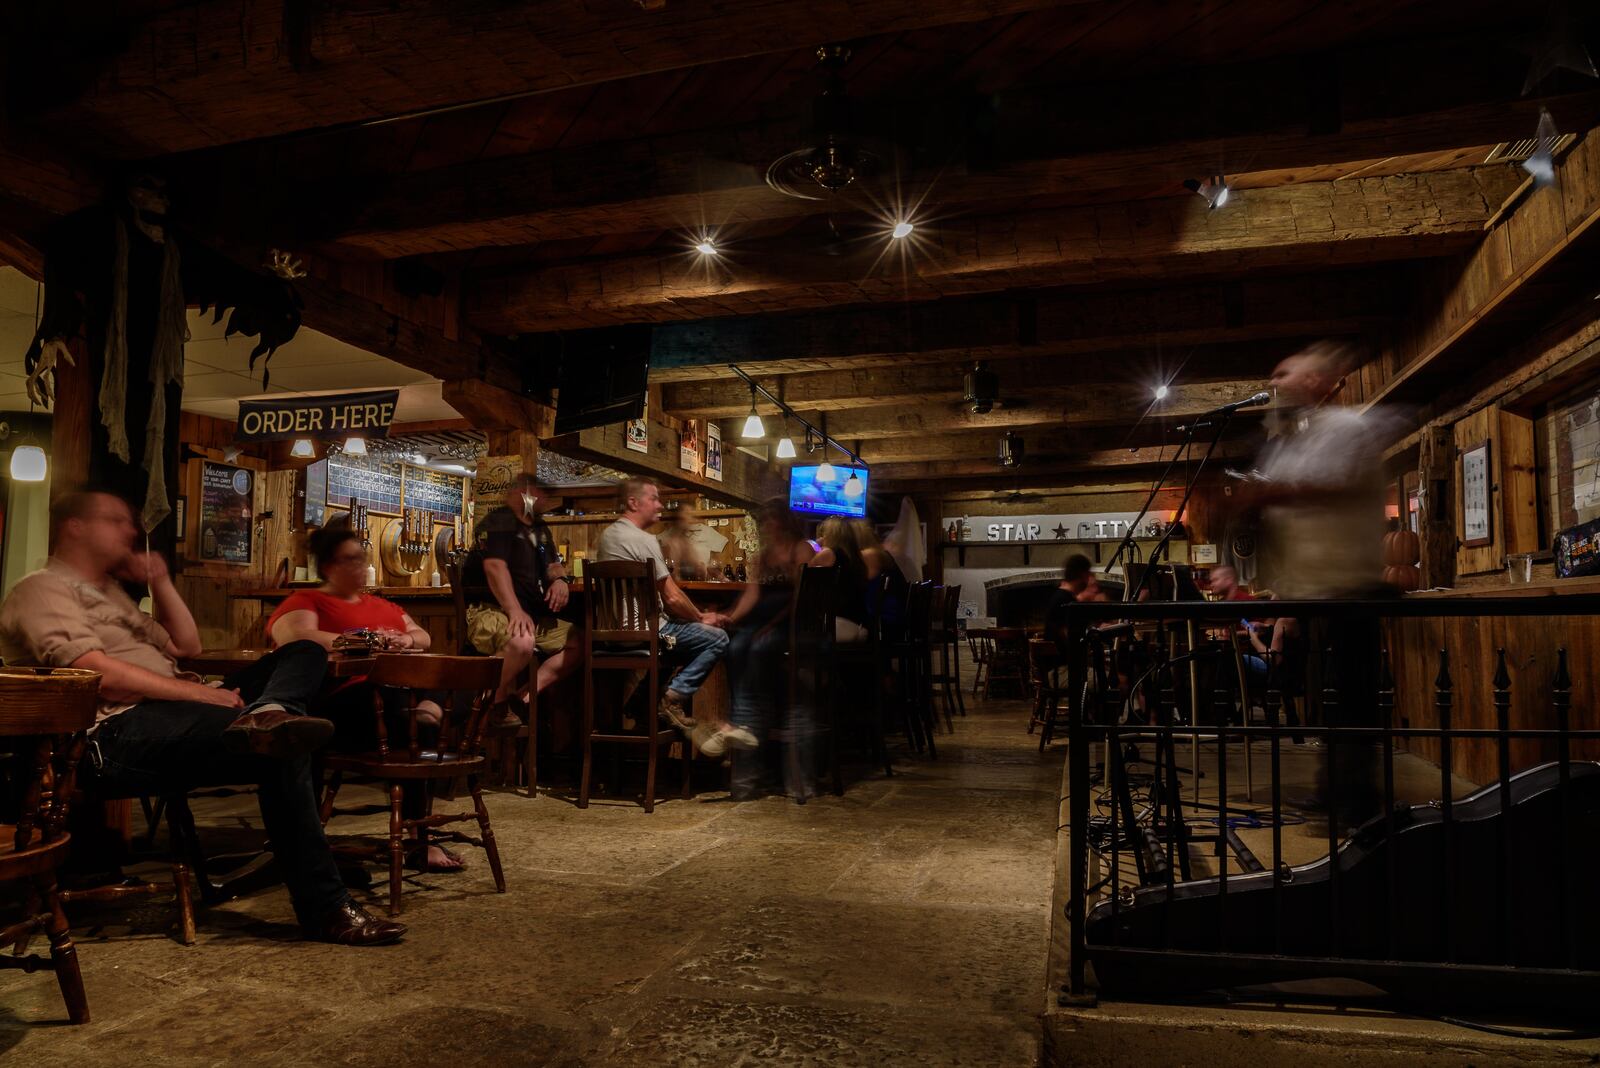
x=1003, y=529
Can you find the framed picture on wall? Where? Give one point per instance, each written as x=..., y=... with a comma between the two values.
x=1477, y=522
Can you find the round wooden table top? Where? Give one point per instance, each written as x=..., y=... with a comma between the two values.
x=42, y=700
x=227, y=661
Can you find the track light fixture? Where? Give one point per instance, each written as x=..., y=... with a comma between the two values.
x=1213, y=190
x=753, y=428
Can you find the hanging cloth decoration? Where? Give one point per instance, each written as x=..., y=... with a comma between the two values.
x=166, y=368
x=114, y=379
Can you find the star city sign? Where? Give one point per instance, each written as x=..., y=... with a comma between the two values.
x=1070, y=528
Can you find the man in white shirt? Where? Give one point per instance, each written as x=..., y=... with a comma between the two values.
x=697, y=637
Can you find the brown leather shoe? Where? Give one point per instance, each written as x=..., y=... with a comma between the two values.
x=272, y=732
x=352, y=925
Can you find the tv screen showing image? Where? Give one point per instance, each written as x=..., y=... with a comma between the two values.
x=838, y=497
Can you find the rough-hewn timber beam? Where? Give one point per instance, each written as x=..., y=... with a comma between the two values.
x=1112, y=461
x=1439, y=95
x=1168, y=322
x=221, y=72
x=1306, y=226
x=1040, y=443
x=1458, y=299
x=1079, y=381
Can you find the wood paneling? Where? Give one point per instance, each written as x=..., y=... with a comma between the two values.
x=1514, y=510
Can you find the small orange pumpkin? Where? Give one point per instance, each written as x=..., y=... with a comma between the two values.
x=1401, y=547
x=1404, y=577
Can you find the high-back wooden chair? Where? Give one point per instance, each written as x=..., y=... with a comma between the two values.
x=44, y=716
x=502, y=740
x=846, y=698
x=916, y=666
x=1008, y=660
x=622, y=611
x=947, y=676
x=811, y=631
x=465, y=687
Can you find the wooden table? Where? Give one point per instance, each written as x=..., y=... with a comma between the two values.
x=227, y=661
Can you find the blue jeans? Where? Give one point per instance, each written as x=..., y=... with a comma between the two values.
x=159, y=747
x=699, y=644
x=753, y=661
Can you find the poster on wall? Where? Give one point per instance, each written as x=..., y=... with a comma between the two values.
x=689, y=446
x=714, y=452
x=316, y=507
x=491, y=484
x=1476, y=525
x=636, y=432
x=226, y=494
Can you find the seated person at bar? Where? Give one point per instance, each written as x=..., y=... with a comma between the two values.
x=515, y=557
x=680, y=544
x=761, y=615
x=158, y=731
x=695, y=636
x=852, y=546
x=321, y=616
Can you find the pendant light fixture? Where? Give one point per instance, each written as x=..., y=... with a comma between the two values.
x=825, y=471
x=786, y=444
x=303, y=449
x=28, y=461
x=853, y=486
x=355, y=446
x=753, y=428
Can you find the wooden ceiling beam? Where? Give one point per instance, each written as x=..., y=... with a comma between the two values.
x=1040, y=444
x=1113, y=462
x=1033, y=406
x=1443, y=94
x=225, y=71
x=1301, y=226
x=1232, y=328
x=1075, y=379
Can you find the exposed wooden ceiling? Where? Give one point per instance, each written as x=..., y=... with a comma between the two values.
x=549, y=166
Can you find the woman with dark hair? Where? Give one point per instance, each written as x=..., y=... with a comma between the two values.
x=339, y=605
x=858, y=564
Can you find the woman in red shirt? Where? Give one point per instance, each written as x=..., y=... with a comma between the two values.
x=341, y=605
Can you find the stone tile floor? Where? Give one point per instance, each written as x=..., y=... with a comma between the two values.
x=904, y=923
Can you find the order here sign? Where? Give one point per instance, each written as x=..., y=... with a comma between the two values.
x=329, y=415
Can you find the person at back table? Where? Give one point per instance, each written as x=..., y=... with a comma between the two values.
x=158, y=731
x=341, y=605
x=696, y=637
x=515, y=557
x=1077, y=584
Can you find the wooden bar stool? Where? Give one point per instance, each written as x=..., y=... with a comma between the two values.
x=467, y=684
x=45, y=715
x=622, y=610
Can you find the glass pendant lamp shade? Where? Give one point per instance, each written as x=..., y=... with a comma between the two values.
x=853, y=487
x=355, y=446
x=28, y=464
x=825, y=472
x=786, y=448
x=753, y=430
x=303, y=449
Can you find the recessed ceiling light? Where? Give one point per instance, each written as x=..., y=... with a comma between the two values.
x=1162, y=391
x=902, y=229
x=706, y=248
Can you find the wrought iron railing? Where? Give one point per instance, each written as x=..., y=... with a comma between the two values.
x=1470, y=895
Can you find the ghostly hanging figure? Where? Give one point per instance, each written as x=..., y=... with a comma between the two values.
x=119, y=276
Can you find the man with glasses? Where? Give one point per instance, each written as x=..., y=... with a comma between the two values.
x=158, y=730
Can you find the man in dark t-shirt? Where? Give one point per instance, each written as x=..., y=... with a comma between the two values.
x=515, y=556
x=1077, y=584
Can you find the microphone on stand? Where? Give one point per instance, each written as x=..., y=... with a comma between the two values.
x=1206, y=420
x=1264, y=397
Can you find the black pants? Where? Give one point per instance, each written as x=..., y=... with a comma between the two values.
x=159, y=747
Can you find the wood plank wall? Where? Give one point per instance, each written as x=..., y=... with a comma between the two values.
x=1530, y=644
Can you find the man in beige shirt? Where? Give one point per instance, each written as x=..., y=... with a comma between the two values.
x=159, y=731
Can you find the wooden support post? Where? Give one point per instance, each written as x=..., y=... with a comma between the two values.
x=1436, y=468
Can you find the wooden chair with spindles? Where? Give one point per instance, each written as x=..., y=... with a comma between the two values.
x=622, y=635
x=466, y=685
x=45, y=715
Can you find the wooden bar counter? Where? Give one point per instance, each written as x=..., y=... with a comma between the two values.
x=1531, y=644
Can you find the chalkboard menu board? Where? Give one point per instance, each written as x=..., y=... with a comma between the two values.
x=226, y=495
x=433, y=491
x=316, y=509
x=374, y=481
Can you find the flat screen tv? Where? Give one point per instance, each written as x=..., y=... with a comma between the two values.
x=807, y=496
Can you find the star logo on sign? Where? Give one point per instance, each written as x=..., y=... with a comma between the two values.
x=1060, y=532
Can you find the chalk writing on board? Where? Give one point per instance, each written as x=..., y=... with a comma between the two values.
x=226, y=494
